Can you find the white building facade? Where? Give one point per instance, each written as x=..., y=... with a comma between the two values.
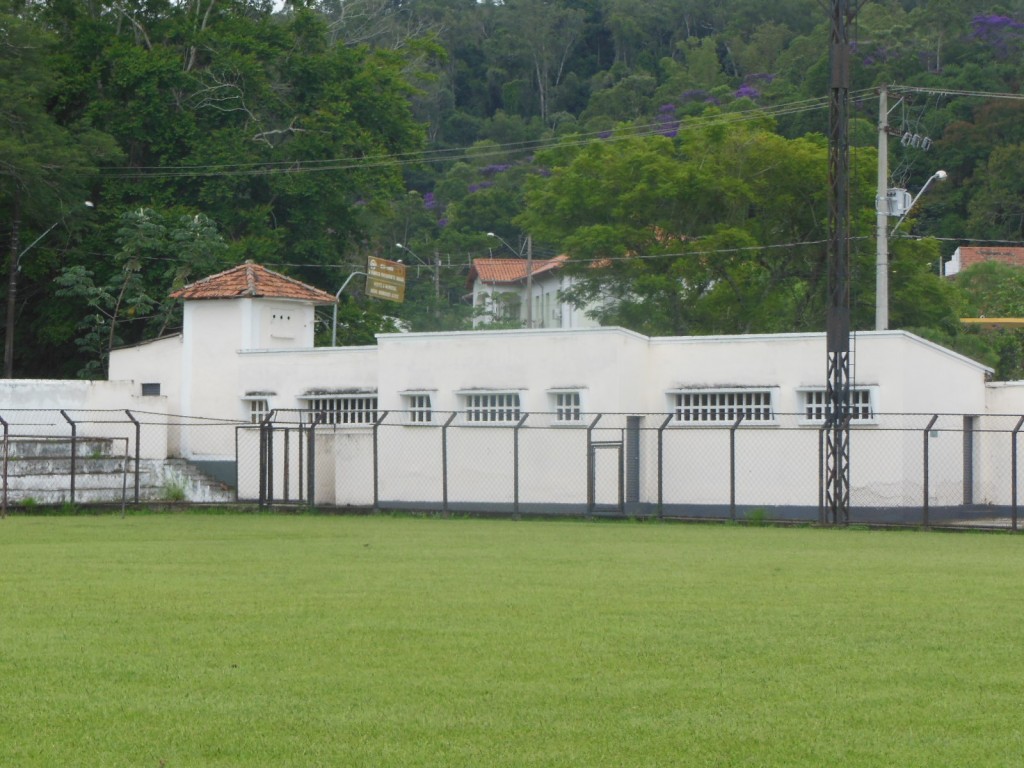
x=558, y=417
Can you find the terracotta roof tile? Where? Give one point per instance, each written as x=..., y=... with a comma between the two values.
x=495, y=271
x=252, y=280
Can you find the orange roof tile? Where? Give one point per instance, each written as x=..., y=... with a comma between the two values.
x=252, y=280
x=495, y=271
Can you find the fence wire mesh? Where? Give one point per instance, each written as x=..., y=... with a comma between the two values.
x=917, y=469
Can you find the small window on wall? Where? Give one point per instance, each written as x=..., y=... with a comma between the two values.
x=349, y=409
x=567, y=407
x=258, y=411
x=723, y=406
x=492, y=407
x=816, y=405
x=418, y=405
x=151, y=389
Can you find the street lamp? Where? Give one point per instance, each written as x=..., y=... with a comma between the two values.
x=882, y=235
x=437, y=267
x=13, y=268
x=337, y=297
x=529, y=272
x=937, y=176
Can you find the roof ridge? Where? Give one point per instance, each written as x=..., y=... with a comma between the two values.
x=252, y=280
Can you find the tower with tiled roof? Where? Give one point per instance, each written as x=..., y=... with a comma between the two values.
x=242, y=309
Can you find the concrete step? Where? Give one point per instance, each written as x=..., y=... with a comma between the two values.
x=57, y=465
x=57, y=447
x=48, y=481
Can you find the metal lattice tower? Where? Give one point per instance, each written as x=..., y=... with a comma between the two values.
x=837, y=430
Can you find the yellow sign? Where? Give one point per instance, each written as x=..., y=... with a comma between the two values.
x=385, y=279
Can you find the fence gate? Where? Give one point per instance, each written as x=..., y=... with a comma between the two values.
x=287, y=462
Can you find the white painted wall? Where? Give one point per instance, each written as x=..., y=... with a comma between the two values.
x=31, y=407
x=291, y=374
x=152, y=362
x=607, y=364
x=548, y=310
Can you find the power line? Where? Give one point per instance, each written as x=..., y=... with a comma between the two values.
x=698, y=123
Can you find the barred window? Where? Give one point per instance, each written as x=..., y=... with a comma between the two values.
x=816, y=405
x=258, y=410
x=354, y=409
x=724, y=405
x=492, y=407
x=419, y=408
x=567, y=406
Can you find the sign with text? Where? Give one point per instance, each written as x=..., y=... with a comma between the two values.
x=385, y=279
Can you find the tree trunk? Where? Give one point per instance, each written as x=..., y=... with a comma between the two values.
x=12, y=284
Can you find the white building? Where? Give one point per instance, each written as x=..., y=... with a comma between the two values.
x=502, y=289
x=565, y=409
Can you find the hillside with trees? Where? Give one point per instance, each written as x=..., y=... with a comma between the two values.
x=681, y=145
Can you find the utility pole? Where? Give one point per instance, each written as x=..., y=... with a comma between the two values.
x=837, y=425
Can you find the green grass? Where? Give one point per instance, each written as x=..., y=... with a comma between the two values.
x=190, y=640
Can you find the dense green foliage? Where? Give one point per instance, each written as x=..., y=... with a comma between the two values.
x=678, y=144
x=233, y=640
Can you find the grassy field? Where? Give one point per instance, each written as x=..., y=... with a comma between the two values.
x=203, y=640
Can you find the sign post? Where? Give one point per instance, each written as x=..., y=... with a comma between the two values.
x=385, y=279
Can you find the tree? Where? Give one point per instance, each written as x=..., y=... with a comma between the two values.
x=44, y=166
x=721, y=231
x=145, y=237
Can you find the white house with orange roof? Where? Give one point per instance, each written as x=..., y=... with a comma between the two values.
x=502, y=289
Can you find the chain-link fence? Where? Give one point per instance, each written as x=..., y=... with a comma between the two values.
x=80, y=457
x=915, y=469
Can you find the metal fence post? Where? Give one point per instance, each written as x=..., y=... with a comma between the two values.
x=138, y=450
x=376, y=457
x=74, y=450
x=968, y=460
x=821, y=476
x=1013, y=461
x=927, y=431
x=732, y=465
x=591, y=492
x=622, y=478
x=661, y=465
x=311, y=460
x=444, y=462
x=515, y=464
x=7, y=454
x=286, y=474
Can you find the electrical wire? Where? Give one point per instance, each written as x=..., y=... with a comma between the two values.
x=464, y=153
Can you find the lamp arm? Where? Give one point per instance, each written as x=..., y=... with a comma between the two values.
x=334, y=313
x=913, y=202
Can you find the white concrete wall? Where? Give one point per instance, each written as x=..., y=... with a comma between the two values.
x=913, y=375
x=608, y=365
x=291, y=374
x=1005, y=397
x=32, y=407
x=151, y=362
